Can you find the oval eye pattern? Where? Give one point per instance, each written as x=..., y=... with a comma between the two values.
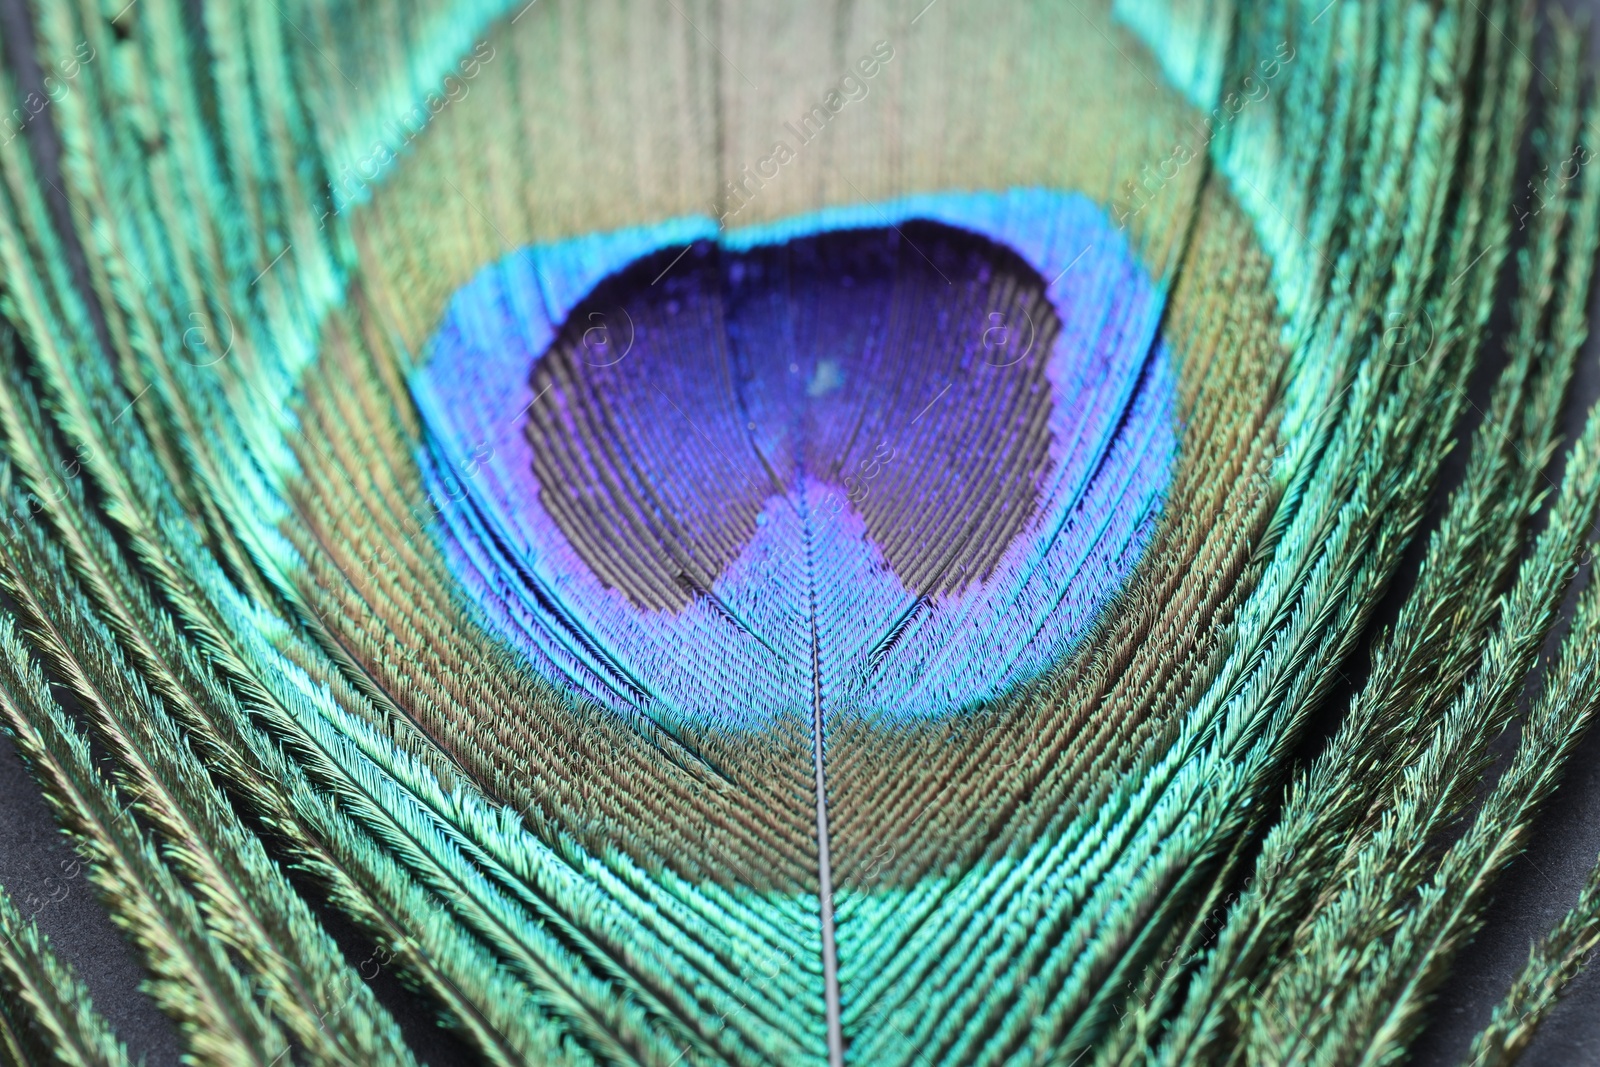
x=791, y=373
x=889, y=459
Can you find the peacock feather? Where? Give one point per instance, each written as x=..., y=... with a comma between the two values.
x=702, y=533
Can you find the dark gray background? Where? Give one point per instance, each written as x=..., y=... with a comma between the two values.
x=40, y=871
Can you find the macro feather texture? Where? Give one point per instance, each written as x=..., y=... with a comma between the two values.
x=732, y=533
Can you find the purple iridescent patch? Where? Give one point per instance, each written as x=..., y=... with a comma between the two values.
x=891, y=458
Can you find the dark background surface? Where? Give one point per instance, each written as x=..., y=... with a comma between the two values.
x=42, y=874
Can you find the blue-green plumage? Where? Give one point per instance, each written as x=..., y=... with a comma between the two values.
x=719, y=533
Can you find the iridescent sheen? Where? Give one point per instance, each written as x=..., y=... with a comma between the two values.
x=686, y=461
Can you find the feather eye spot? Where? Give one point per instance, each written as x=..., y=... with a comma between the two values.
x=708, y=453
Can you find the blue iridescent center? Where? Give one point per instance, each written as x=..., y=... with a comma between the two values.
x=894, y=457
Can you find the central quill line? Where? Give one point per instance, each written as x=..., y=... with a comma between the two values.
x=830, y=948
